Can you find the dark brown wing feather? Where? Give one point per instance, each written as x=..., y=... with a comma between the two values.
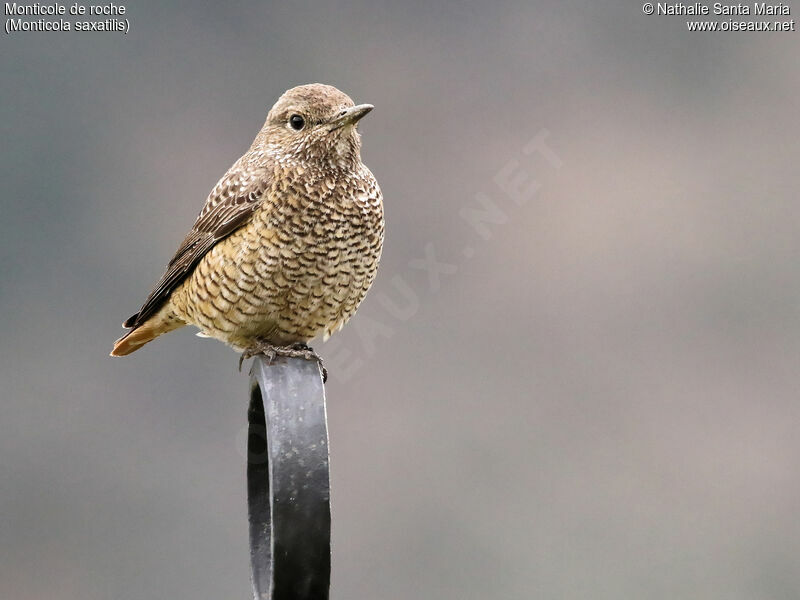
x=228, y=207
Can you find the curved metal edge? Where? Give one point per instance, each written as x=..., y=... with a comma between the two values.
x=288, y=481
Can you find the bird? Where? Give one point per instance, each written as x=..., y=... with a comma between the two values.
x=287, y=243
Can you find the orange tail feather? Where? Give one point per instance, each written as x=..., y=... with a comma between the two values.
x=133, y=340
x=146, y=332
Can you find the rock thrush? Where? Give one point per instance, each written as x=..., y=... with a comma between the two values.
x=287, y=243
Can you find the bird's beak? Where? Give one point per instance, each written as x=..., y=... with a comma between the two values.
x=350, y=116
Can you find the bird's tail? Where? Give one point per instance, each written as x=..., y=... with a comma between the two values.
x=146, y=332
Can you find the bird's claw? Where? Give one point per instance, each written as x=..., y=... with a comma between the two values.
x=270, y=351
x=266, y=350
x=301, y=350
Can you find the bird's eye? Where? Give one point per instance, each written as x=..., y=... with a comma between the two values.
x=297, y=122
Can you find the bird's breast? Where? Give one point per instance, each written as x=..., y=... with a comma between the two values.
x=298, y=269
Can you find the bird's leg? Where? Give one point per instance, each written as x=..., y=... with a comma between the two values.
x=298, y=350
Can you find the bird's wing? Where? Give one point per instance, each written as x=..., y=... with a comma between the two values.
x=229, y=205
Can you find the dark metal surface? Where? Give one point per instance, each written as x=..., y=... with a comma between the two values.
x=288, y=490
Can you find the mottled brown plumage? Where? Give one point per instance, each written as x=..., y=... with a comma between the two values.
x=288, y=241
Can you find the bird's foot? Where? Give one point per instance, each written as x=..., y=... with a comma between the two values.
x=271, y=351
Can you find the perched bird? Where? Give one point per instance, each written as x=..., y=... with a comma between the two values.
x=287, y=243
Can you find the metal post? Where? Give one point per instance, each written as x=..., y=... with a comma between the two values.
x=288, y=486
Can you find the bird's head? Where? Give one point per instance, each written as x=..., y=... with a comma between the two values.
x=314, y=123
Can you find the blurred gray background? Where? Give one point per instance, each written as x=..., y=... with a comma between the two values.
x=598, y=401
